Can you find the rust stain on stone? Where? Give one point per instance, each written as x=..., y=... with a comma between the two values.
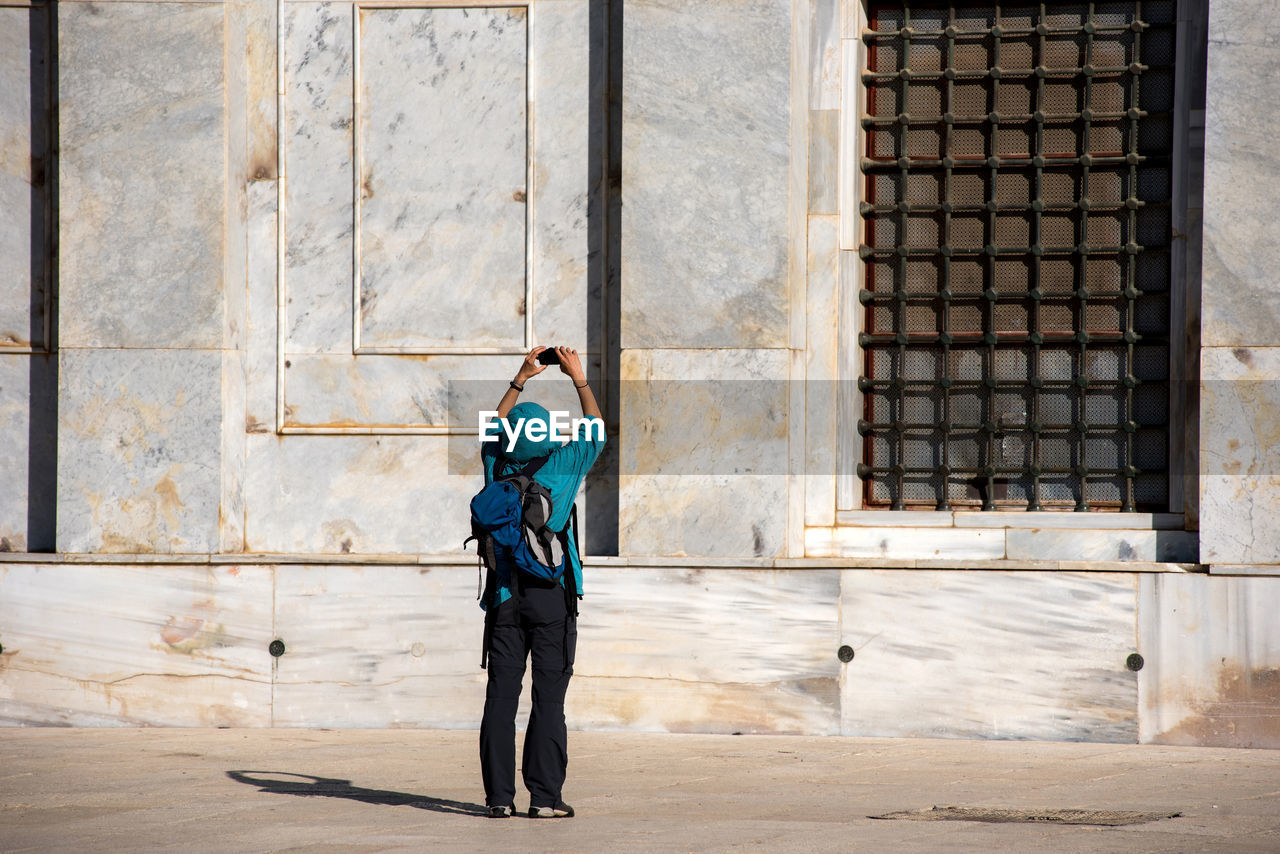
x=1245, y=711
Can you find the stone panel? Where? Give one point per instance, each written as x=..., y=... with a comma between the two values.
x=704, y=227
x=1240, y=454
x=1019, y=655
x=1240, y=304
x=139, y=450
x=22, y=177
x=703, y=457
x=564, y=115
x=1211, y=674
x=1067, y=544
x=354, y=494
x=905, y=543
x=318, y=212
x=442, y=135
x=15, y=425
x=141, y=195
x=378, y=646
x=126, y=645
x=701, y=650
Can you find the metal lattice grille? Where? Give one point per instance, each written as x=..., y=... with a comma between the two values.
x=1017, y=231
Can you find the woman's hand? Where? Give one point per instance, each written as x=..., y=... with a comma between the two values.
x=570, y=366
x=530, y=367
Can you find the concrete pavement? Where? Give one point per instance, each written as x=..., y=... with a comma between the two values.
x=168, y=790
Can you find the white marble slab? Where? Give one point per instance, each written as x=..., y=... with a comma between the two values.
x=354, y=494
x=689, y=650
x=704, y=227
x=318, y=212
x=378, y=646
x=141, y=175
x=1211, y=674
x=905, y=543
x=261, y=343
x=139, y=450
x=1241, y=237
x=1067, y=544
x=443, y=140
x=342, y=391
x=15, y=427
x=22, y=180
x=821, y=371
x=88, y=645
x=1069, y=520
x=560, y=46
x=989, y=655
x=1240, y=454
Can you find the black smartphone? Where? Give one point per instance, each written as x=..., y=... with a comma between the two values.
x=548, y=357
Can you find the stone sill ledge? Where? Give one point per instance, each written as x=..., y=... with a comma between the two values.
x=1094, y=521
x=644, y=561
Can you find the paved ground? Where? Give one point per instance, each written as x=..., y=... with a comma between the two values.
x=410, y=790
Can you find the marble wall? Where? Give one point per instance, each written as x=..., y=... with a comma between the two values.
x=292, y=237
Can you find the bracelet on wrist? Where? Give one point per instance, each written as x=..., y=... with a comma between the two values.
x=584, y=384
x=516, y=387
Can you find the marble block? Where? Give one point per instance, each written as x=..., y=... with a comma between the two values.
x=704, y=226
x=378, y=646
x=1211, y=649
x=442, y=134
x=1240, y=305
x=23, y=112
x=1020, y=655
x=905, y=543
x=15, y=426
x=128, y=645
x=701, y=650
x=703, y=453
x=354, y=494
x=1240, y=454
x=566, y=112
x=1068, y=544
x=318, y=212
x=139, y=450
x=377, y=391
x=141, y=174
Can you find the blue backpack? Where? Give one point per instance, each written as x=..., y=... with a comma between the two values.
x=509, y=521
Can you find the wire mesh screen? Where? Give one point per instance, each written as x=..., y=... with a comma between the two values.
x=1017, y=249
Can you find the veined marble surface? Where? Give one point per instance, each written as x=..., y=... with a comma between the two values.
x=15, y=426
x=22, y=180
x=1239, y=302
x=443, y=138
x=1035, y=655
x=1240, y=454
x=319, y=212
x=354, y=494
x=1212, y=669
x=703, y=455
x=139, y=450
x=141, y=169
x=135, y=645
x=704, y=227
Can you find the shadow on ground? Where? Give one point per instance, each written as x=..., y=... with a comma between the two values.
x=308, y=785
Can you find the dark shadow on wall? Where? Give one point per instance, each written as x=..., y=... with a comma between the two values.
x=42, y=425
x=308, y=785
x=604, y=208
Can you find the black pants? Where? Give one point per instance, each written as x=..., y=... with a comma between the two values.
x=536, y=623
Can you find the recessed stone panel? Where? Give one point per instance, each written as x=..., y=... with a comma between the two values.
x=442, y=139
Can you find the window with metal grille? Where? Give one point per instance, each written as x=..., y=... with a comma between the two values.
x=1017, y=205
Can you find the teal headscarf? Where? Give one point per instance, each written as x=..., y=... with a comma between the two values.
x=526, y=449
